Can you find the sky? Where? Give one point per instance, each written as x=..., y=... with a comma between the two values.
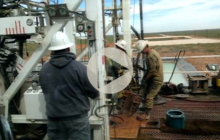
x=174, y=15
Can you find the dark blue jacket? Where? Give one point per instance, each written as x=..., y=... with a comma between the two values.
x=66, y=86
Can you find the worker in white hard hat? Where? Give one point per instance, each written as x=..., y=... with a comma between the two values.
x=67, y=90
x=121, y=45
x=153, y=77
x=115, y=70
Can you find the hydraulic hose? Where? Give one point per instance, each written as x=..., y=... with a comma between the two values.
x=181, y=52
x=136, y=33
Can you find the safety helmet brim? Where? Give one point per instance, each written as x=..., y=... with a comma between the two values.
x=120, y=46
x=56, y=48
x=141, y=45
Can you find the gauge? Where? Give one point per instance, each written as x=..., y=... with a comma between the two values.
x=63, y=11
x=52, y=11
x=80, y=27
x=79, y=19
x=29, y=22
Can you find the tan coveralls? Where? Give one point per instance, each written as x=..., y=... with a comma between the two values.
x=153, y=85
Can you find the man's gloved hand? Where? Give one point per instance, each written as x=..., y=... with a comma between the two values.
x=120, y=71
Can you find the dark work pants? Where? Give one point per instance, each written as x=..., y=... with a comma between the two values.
x=69, y=128
x=150, y=91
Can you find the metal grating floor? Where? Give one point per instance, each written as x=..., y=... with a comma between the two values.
x=193, y=110
x=169, y=136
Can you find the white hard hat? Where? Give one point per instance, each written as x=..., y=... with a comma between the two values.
x=141, y=44
x=122, y=44
x=60, y=41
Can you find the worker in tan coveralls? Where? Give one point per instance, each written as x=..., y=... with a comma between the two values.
x=153, y=78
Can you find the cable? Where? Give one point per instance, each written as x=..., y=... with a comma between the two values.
x=93, y=107
x=96, y=113
x=136, y=33
x=176, y=59
x=115, y=116
x=80, y=15
x=117, y=35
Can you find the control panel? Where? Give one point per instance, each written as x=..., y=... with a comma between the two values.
x=57, y=10
x=90, y=27
x=80, y=23
x=83, y=25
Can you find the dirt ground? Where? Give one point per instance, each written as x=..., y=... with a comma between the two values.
x=168, y=51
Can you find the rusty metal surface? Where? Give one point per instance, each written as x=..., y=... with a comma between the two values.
x=126, y=99
x=130, y=102
x=134, y=105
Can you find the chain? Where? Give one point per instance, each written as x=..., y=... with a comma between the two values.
x=117, y=34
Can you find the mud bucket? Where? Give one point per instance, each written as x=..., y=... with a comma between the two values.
x=175, y=118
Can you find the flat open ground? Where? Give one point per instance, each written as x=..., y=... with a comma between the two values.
x=184, y=41
x=168, y=48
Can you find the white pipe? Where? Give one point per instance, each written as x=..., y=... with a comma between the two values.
x=199, y=56
x=191, y=72
x=94, y=13
x=127, y=25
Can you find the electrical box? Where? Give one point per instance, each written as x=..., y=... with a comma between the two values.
x=35, y=105
x=90, y=27
x=85, y=25
x=21, y=25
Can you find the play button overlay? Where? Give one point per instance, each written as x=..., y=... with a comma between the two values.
x=116, y=85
